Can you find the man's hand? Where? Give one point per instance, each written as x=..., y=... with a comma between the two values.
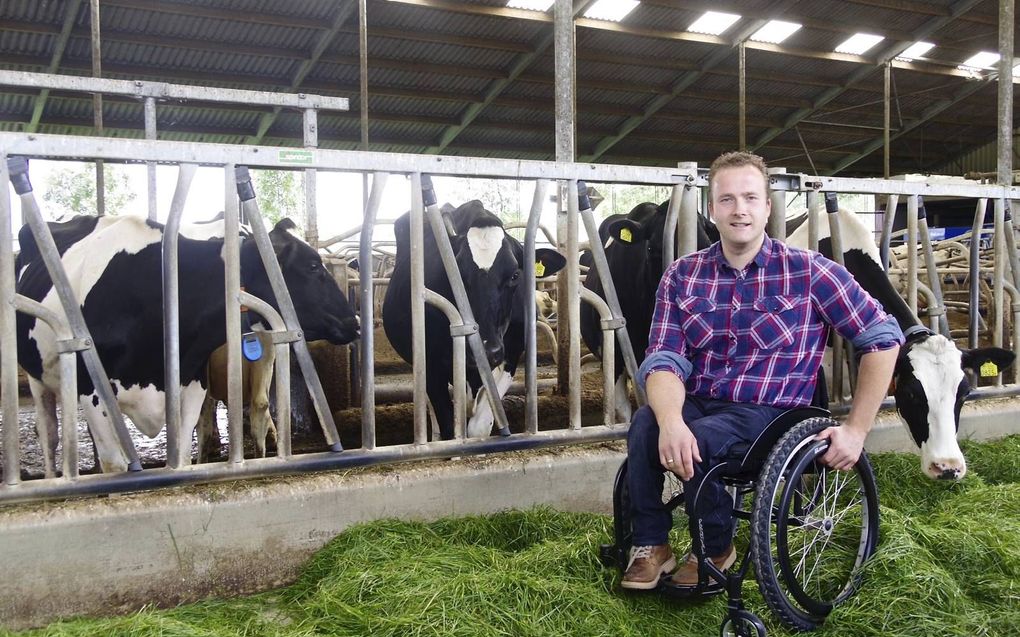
x=845, y=445
x=678, y=449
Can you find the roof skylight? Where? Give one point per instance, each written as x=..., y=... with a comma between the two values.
x=713, y=22
x=531, y=5
x=610, y=10
x=775, y=31
x=982, y=60
x=858, y=43
x=915, y=50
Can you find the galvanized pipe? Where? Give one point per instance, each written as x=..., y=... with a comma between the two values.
x=305, y=463
x=178, y=450
x=776, y=226
x=18, y=172
x=609, y=289
x=1004, y=161
x=836, y=239
x=1011, y=248
x=67, y=348
x=418, y=310
x=367, y=295
x=911, y=241
x=232, y=184
x=938, y=309
x=573, y=302
x=999, y=275
x=272, y=268
x=888, y=220
x=608, y=354
x=689, y=213
x=975, y=271
x=310, y=127
x=449, y=261
x=814, y=210
x=458, y=332
x=8, y=335
x=530, y=311
x=150, y=166
x=669, y=231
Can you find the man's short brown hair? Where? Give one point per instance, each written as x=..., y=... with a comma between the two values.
x=738, y=159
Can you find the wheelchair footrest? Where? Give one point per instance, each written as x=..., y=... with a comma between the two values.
x=668, y=587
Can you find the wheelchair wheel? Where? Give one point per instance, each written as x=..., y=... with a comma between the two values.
x=812, y=527
x=623, y=532
x=747, y=624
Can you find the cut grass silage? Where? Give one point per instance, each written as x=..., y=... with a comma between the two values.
x=948, y=564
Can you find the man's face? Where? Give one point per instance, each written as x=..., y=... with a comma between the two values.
x=740, y=206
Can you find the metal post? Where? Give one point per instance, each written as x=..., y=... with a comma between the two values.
x=689, y=214
x=886, y=118
x=530, y=311
x=672, y=227
x=365, y=272
x=999, y=273
x=565, y=102
x=974, y=327
x=776, y=226
x=573, y=315
x=311, y=140
x=150, y=166
x=742, y=94
x=608, y=354
x=814, y=211
x=8, y=335
x=97, y=106
x=178, y=450
x=911, y=240
x=888, y=220
x=418, y=309
x=936, y=311
x=232, y=313
x=1004, y=164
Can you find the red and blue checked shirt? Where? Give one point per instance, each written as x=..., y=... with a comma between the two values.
x=758, y=336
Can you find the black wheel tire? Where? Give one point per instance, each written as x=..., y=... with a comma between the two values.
x=793, y=499
x=747, y=624
x=623, y=532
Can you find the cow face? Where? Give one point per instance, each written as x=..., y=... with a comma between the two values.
x=491, y=275
x=930, y=389
x=644, y=226
x=322, y=309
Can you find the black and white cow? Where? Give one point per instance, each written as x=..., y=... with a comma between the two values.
x=114, y=266
x=633, y=246
x=930, y=385
x=490, y=264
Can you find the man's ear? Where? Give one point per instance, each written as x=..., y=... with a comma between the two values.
x=626, y=231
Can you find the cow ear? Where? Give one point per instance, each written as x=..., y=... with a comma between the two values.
x=626, y=231
x=548, y=262
x=285, y=224
x=987, y=361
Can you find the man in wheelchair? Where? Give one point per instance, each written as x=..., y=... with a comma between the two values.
x=737, y=338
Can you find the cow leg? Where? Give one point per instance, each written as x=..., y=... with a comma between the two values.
x=109, y=454
x=621, y=399
x=192, y=401
x=261, y=376
x=209, y=445
x=442, y=404
x=482, y=418
x=45, y=402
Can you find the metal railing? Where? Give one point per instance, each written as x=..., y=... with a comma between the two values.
x=686, y=182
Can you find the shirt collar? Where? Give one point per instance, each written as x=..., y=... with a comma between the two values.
x=768, y=248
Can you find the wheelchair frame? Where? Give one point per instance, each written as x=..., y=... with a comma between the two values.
x=791, y=498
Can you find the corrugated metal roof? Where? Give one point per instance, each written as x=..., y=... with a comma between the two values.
x=428, y=65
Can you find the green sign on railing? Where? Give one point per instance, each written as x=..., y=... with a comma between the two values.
x=292, y=156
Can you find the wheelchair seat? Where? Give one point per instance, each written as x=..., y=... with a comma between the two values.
x=811, y=527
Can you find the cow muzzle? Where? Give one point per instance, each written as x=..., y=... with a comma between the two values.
x=946, y=470
x=343, y=331
x=494, y=352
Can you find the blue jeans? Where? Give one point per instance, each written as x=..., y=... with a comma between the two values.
x=717, y=425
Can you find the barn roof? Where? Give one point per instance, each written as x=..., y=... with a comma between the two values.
x=472, y=77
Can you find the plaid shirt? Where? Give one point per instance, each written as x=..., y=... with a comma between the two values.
x=758, y=336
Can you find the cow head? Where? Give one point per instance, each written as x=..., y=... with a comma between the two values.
x=490, y=265
x=930, y=389
x=322, y=309
x=644, y=227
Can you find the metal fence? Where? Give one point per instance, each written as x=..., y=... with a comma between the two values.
x=568, y=179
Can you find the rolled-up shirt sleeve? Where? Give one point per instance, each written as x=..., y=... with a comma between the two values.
x=666, y=345
x=850, y=310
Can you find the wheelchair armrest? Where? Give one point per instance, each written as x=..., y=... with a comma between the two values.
x=752, y=455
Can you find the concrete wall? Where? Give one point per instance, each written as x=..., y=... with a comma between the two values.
x=115, y=554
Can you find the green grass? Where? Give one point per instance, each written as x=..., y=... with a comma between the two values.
x=948, y=564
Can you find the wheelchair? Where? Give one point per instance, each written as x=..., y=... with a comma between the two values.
x=811, y=528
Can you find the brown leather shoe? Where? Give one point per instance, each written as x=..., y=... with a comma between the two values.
x=647, y=564
x=687, y=574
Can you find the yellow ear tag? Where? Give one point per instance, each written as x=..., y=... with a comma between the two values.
x=626, y=236
x=539, y=268
x=989, y=369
